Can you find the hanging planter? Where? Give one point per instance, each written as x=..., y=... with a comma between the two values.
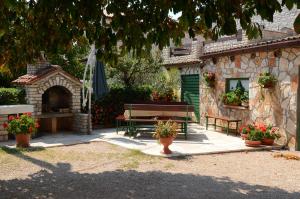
x=209, y=79
x=267, y=80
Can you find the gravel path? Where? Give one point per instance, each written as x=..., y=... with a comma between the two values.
x=101, y=170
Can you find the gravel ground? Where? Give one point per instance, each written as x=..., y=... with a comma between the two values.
x=101, y=170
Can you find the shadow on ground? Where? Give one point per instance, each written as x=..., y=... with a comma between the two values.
x=58, y=181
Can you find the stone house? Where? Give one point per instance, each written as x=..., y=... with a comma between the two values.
x=234, y=58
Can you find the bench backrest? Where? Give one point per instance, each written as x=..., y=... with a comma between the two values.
x=158, y=110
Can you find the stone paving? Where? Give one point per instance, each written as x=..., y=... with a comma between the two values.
x=199, y=141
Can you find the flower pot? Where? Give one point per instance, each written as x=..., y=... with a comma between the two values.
x=210, y=83
x=244, y=136
x=252, y=143
x=166, y=142
x=245, y=104
x=268, y=141
x=23, y=140
x=233, y=104
x=268, y=85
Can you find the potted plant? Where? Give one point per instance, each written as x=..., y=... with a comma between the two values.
x=209, y=78
x=266, y=80
x=22, y=127
x=245, y=130
x=245, y=99
x=270, y=133
x=254, y=138
x=231, y=98
x=166, y=132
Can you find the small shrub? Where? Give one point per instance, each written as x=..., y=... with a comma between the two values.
x=165, y=129
x=10, y=96
x=107, y=108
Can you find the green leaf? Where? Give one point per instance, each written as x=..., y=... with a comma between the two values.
x=297, y=24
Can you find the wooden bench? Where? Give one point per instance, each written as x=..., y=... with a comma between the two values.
x=226, y=119
x=151, y=113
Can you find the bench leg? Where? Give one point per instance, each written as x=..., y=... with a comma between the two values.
x=185, y=131
x=237, y=129
x=206, y=123
x=215, y=124
x=117, y=124
x=228, y=123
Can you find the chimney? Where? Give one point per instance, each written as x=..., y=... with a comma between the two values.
x=41, y=64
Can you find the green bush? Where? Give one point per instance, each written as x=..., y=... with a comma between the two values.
x=107, y=108
x=10, y=96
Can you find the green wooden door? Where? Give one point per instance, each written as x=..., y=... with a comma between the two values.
x=190, y=91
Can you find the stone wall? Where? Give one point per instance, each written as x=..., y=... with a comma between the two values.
x=35, y=91
x=81, y=123
x=37, y=67
x=279, y=104
x=3, y=132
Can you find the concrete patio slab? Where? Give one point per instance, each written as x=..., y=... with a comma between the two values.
x=200, y=141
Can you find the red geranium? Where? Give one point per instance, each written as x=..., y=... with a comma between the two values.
x=5, y=125
x=29, y=114
x=37, y=125
x=10, y=118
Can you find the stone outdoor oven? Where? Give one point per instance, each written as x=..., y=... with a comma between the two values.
x=55, y=95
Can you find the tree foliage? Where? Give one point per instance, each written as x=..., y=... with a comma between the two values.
x=73, y=61
x=132, y=71
x=30, y=26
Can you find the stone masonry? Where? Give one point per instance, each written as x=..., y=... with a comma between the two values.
x=3, y=132
x=277, y=106
x=43, y=76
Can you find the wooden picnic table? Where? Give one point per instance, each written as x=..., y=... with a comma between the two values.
x=151, y=113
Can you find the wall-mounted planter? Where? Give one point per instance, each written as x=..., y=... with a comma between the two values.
x=266, y=80
x=209, y=79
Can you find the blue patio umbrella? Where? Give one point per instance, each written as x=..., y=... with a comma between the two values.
x=99, y=80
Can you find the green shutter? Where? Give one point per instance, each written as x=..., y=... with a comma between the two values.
x=190, y=91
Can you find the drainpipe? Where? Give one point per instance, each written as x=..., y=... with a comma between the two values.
x=298, y=115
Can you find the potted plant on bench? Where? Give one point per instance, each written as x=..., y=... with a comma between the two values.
x=22, y=127
x=166, y=132
x=266, y=80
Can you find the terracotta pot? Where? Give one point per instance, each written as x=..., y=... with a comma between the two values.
x=268, y=85
x=166, y=142
x=244, y=136
x=233, y=104
x=245, y=104
x=23, y=140
x=268, y=141
x=252, y=143
x=210, y=84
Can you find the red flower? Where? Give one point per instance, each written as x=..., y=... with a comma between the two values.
x=5, y=125
x=10, y=118
x=37, y=125
x=30, y=129
x=29, y=114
